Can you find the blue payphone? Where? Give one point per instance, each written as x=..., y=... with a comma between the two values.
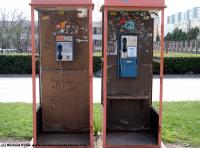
x=127, y=56
x=64, y=48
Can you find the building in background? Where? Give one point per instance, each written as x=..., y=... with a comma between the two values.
x=157, y=28
x=97, y=36
x=25, y=37
x=184, y=20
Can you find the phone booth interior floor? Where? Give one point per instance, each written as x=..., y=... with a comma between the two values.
x=64, y=139
x=131, y=138
x=58, y=138
x=136, y=137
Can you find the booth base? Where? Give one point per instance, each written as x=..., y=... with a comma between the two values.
x=131, y=138
x=135, y=139
x=64, y=139
x=52, y=140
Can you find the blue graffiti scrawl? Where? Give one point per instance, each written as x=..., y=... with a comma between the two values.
x=129, y=25
x=125, y=1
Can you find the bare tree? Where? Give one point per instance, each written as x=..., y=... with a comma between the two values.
x=4, y=35
x=14, y=31
x=27, y=39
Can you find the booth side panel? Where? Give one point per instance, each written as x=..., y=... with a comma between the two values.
x=129, y=99
x=65, y=84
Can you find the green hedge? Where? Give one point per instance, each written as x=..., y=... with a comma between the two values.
x=21, y=64
x=179, y=65
x=15, y=64
x=96, y=63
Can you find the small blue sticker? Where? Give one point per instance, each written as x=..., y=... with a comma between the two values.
x=129, y=25
x=125, y=1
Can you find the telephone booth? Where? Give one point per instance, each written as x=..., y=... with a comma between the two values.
x=64, y=115
x=129, y=119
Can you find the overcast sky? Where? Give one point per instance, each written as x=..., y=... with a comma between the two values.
x=174, y=6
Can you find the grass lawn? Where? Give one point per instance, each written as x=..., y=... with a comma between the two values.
x=16, y=121
x=97, y=54
x=181, y=121
x=157, y=54
x=173, y=54
x=97, y=118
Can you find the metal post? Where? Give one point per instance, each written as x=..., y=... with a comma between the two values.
x=33, y=74
x=161, y=76
x=91, y=77
x=105, y=75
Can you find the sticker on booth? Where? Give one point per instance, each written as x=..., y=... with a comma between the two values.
x=129, y=25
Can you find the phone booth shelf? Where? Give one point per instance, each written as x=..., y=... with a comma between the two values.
x=64, y=115
x=129, y=119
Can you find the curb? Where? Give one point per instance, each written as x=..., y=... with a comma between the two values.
x=162, y=145
x=16, y=75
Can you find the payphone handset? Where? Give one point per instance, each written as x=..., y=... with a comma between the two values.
x=127, y=62
x=64, y=48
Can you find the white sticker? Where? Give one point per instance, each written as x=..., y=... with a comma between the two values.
x=132, y=52
x=82, y=13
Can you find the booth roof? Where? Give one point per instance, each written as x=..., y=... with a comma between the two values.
x=61, y=2
x=136, y=3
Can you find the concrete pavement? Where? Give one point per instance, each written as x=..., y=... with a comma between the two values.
x=176, y=88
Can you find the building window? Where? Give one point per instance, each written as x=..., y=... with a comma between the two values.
x=168, y=20
x=97, y=43
x=97, y=30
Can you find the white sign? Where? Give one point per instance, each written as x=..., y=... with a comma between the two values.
x=132, y=52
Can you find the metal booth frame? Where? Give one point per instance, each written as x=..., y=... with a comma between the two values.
x=39, y=4
x=131, y=5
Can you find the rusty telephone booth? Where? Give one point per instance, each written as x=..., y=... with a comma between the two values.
x=129, y=119
x=64, y=115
